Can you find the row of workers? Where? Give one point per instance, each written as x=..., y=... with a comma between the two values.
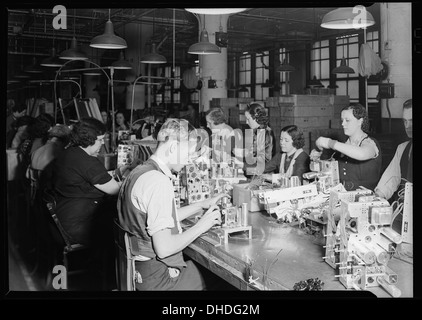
x=145, y=198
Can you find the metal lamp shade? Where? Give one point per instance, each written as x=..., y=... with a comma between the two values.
x=343, y=68
x=73, y=53
x=108, y=40
x=153, y=57
x=121, y=64
x=52, y=61
x=204, y=46
x=284, y=67
x=33, y=68
x=345, y=18
x=315, y=83
x=216, y=10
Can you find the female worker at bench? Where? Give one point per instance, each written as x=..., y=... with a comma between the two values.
x=292, y=160
x=359, y=157
x=81, y=184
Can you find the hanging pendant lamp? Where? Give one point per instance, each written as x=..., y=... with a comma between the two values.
x=348, y=18
x=121, y=64
x=343, y=68
x=153, y=57
x=204, y=46
x=33, y=68
x=73, y=53
x=216, y=10
x=315, y=83
x=285, y=67
x=108, y=40
x=52, y=61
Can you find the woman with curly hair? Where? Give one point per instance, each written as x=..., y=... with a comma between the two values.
x=292, y=160
x=263, y=143
x=359, y=157
x=81, y=184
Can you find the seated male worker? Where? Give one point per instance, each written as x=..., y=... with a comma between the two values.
x=147, y=211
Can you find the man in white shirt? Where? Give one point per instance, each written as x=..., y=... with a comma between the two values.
x=147, y=211
x=400, y=169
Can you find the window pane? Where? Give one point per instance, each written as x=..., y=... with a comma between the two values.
x=265, y=93
x=341, y=51
x=248, y=62
x=248, y=77
x=353, y=63
x=315, y=69
x=325, y=69
x=258, y=92
x=315, y=54
x=353, y=89
x=353, y=50
x=258, y=61
x=259, y=78
x=353, y=39
x=372, y=91
x=325, y=54
x=242, y=78
x=324, y=43
x=341, y=90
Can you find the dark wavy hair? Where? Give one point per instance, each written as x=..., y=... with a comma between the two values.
x=407, y=104
x=359, y=112
x=258, y=113
x=296, y=134
x=217, y=115
x=85, y=132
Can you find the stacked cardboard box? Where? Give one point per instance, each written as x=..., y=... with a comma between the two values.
x=311, y=113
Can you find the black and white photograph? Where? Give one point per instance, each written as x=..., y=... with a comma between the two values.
x=155, y=150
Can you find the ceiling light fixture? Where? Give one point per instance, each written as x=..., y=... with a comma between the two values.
x=153, y=57
x=343, y=68
x=348, y=18
x=204, y=46
x=73, y=53
x=216, y=10
x=108, y=40
x=315, y=83
x=52, y=61
x=121, y=64
x=285, y=67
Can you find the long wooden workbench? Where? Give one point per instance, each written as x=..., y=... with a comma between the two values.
x=281, y=256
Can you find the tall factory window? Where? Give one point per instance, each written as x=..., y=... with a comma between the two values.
x=320, y=64
x=262, y=73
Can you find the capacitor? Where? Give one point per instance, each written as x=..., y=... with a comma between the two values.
x=245, y=212
x=382, y=255
x=364, y=253
x=390, y=288
x=391, y=234
x=294, y=181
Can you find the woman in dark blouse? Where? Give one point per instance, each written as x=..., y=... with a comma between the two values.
x=81, y=183
x=292, y=160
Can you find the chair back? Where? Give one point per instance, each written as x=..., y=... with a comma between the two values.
x=49, y=199
x=127, y=252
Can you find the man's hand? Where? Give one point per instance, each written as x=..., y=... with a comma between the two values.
x=211, y=217
x=205, y=204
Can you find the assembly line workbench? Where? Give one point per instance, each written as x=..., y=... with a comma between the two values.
x=279, y=255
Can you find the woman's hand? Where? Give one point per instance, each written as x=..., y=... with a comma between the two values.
x=315, y=155
x=205, y=204
x=325, y=143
